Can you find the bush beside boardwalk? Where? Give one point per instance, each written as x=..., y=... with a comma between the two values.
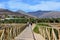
x=36, y=29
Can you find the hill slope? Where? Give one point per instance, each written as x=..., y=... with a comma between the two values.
x=38, y=13
x=18, y=13
x=51, y=15
x=46, y=14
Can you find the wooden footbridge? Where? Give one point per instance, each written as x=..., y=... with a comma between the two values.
x=14, y=33
x=27, y=34
x=17, y=33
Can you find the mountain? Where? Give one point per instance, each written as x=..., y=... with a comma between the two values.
x=38, y=13
x=8, y=12
x=19, y=13
x=46, y=14
x=54, y=14
x=26, y=14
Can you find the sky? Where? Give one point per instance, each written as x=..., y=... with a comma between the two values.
x=30, y=5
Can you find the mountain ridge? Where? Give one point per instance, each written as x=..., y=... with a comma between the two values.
x=9, y=12
x=35, y=14
x=46, y=14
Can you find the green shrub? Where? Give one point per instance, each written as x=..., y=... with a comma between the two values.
x=36, y=29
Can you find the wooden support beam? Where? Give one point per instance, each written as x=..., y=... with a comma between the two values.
x=59, y=33
x=48, y=33
x=54, y=35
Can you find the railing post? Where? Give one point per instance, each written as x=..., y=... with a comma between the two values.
x=44, y=33
x=8, y=34
x=41, y=31
x=48, y=33
x=11, y=34
x=2, y=36
x=54, y=35
x=16, y=31
x=59, y=33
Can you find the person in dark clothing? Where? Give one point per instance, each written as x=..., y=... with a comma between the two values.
x=30, y=23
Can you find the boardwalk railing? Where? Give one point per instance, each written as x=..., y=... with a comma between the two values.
x=9, y=33
x=50, y=33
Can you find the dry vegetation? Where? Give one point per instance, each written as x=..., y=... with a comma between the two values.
x=1, y=32
x=56, y=24
x=13, y=24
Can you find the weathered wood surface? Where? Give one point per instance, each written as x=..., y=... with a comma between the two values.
x=26, y=34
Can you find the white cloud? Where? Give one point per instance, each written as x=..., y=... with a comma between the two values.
x=48, y=5
x=43, y=5
x=18, y=5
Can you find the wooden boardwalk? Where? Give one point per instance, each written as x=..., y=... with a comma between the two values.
x=27, y=34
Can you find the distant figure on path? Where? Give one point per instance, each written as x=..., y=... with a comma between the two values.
x=30, y=23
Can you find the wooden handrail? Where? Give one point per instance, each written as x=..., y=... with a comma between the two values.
x=10, y=32
x=1, y=38
x=50, y=33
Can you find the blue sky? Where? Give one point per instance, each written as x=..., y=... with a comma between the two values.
x=30, y=5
